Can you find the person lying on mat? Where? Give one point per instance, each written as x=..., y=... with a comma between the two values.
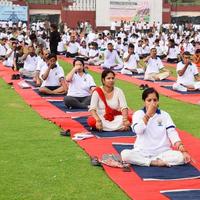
x=81, y=85
x=156, y=134
x=155, y=70
x=53, y=77
x=108, y=106
x=187, y=75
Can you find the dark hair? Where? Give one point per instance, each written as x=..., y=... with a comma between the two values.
x=197, y=51
x=105, y=73
x=148, y=91
x=32, y=36
x=186, y=53
x=131, y=46
x=78, y=59
x=52, y=55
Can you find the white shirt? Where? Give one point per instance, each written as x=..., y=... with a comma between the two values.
x=111, y=57
x=83, y=51
x=2, y=50
x=154, y=66
x=54, y=76
x=188, y=77
x=80, y=85
x=173, y=52
x=30, y=63
x=157, y=135
x=132, y=62
x=73, y=47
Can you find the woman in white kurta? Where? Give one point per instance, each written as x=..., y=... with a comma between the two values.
x=115, y=99
x=156, y=134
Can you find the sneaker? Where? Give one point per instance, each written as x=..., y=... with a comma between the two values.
x=66, y=133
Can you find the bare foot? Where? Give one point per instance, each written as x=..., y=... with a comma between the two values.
x=159, y=163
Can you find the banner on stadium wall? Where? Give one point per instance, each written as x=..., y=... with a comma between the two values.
x=130, y=10
x=14, y=13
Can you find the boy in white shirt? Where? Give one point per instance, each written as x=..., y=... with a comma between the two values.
x=72, y=47
x=188, y=78
x=53, y=77
x=131, y=61
x=155, y=69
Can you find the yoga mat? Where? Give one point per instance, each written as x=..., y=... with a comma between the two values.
x=186, y=194
x=61, y=106
x=48, y=95
x=104, y=134
x=188, y=92
x=186, y=171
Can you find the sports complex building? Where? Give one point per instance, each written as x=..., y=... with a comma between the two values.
x=100, y=13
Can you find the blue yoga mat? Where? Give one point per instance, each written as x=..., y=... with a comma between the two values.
x=61, y=106
x=49, y=95
x=162, y=173
x=31, y=82
x=182, y=194
x=104, y=134
x=188, y=92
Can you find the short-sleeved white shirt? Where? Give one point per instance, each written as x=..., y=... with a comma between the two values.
x=54, y=76
x=132, y=62
x=157, y=135
x=173, y=52
x=30, y=63
x=188, y=77
x=80, y=85
x=73, y=47
x=154, y=66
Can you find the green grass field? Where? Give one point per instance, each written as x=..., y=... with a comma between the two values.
x=37, y=163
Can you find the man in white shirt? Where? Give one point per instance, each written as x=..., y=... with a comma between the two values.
x=9, y=58
x=155, y=69
x=53, y=77
x=188, y=78
x=72, y=47
x=3, y=48
x=110, y=58
x=30, y=63
x=131, y=61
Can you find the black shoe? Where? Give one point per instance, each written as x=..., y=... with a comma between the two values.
x=95, y=161
x=66, y=133
x=142, y=87
x=146, y=86
x=13, y=77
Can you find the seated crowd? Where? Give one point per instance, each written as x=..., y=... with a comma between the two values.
x=128, y=52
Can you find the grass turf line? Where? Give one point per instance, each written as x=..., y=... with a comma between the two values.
x=37, y=163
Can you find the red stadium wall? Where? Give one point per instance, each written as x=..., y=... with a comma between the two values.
x=72, y=17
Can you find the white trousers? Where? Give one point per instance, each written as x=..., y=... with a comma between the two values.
x=171, y=157
x=179, y=87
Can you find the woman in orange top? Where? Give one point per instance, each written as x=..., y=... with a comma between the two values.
x=196, y=58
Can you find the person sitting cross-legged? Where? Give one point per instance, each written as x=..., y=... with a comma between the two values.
x=155, y=70
x=156, y=134
x=188, y=78
x=131, y=62
x=81, y=85
x=111, y=58
x=108, y=106
x=53, y=77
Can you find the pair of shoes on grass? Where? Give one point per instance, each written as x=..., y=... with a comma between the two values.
x=15, y=77
x=65, y=133
x=143, y=86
